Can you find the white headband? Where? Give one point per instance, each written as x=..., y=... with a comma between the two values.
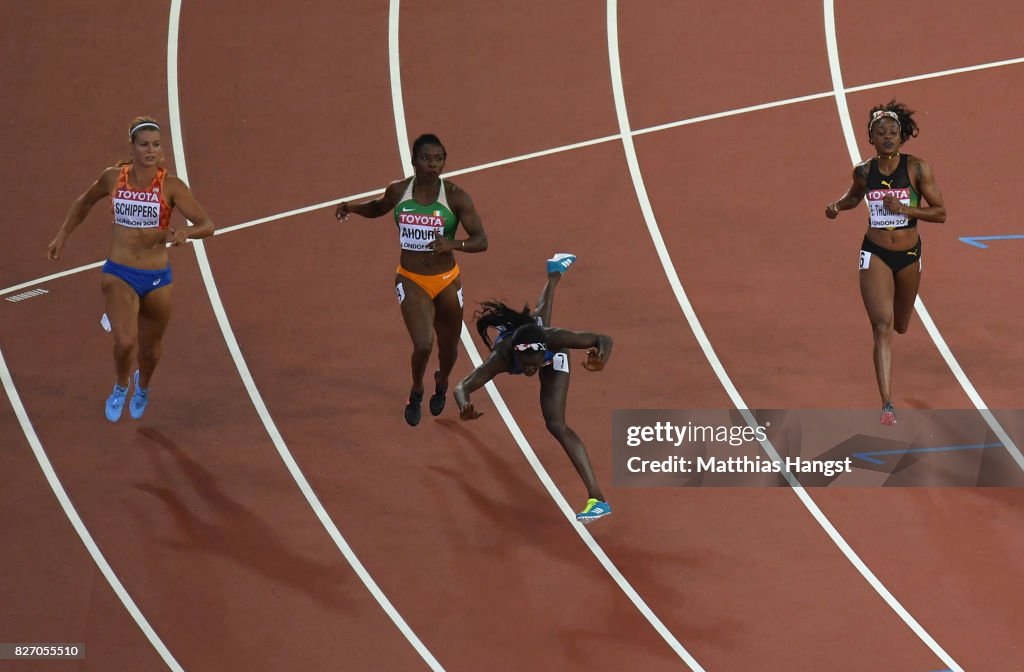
x=878, y=114
x=540, y=347
x=145, y=124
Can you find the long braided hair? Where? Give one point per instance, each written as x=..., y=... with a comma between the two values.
x=496, y=315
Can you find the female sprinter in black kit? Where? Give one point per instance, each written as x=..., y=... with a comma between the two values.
x=890, y=256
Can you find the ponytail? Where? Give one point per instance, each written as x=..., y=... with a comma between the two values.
x=495, y=314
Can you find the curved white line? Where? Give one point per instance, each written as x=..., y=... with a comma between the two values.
x=395, y=69
x=712, y=357
x=246, y=376
x=510, y=422
x=76, y=521
x=922, y=312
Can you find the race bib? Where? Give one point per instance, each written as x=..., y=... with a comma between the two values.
x=416, y=230
x=881, y=217
x=136, y=209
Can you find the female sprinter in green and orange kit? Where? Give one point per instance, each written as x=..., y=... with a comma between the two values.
x=428, y=211
x=890, y=255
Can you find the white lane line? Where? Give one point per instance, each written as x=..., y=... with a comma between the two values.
x=48, y=278
x=559, y=150
x=731, y=113
x=922, y=312
x=76, y=521
x=828, y=94
x=524, y=444
x=832, y=47
x=395, y=69
x=246, y=376
x=709, y=352
x=933, y=75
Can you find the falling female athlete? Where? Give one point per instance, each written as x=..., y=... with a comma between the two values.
x=525, y=345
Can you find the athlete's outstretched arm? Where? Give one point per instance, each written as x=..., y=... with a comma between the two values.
x=375, y=208
x=480, y=376
x=102, y=187
x=598, y=346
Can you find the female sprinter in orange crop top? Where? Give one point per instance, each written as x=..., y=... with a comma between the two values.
x=890, y=255
x=428, y=211
x=136, y=278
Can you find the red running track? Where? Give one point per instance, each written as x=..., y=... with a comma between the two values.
x=281, y=109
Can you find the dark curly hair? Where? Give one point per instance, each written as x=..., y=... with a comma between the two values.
x=427, y=139
x=496, y=315
x=908, y=127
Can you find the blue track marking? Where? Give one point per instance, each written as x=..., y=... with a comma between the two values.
x=976, y=240
x=868, y=456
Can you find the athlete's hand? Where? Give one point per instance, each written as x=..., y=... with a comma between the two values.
x=441, y=245
x=831, y=210
x=894, y=205
x=467, y=412
x=342, y=212
x=595, y=360
x=56, y=245
x=176, y=236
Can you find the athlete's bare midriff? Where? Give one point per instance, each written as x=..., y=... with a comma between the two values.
x=427, y=263
x=897, y=239
x=139, y=248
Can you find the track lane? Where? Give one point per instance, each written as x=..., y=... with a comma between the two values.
x=683, y=60
x=77, y=125
x=987, y=525
x=52, y=589
x=920, y=36
x=722, y=222
x=794, y=395
x=278, y=101
x=501, y=80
